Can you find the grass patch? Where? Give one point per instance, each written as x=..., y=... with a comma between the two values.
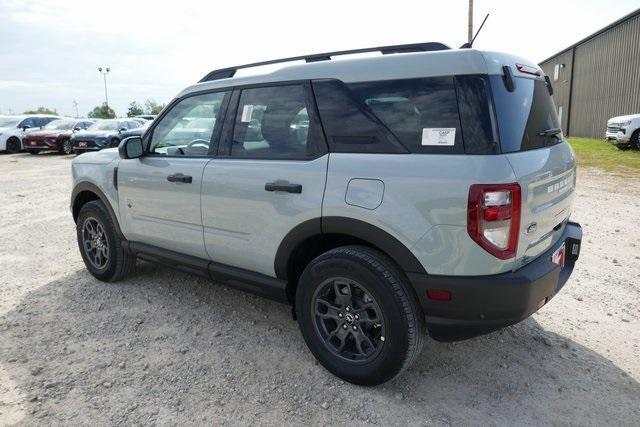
x=600, y=154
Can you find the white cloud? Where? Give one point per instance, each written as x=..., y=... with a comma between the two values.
x=50, y=51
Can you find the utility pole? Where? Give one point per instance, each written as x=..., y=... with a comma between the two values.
x=470, y=30
x=104, y=75
x=75, y=107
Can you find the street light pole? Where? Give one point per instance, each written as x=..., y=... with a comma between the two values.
x=470, y=27
x=104, y=73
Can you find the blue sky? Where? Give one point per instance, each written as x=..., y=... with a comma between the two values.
x=50, y=51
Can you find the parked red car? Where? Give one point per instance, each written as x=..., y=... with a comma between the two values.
x=55, y=136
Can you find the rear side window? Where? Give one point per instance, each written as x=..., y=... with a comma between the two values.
x=349, y=124
x=446, y=115
x=524, y=114
x=274, y=123
x=421, y=113
x=476, y=115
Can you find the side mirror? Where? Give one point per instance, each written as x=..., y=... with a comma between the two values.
x=25, y=127
x=131, y=148
x=77, y=128
x=122, y=130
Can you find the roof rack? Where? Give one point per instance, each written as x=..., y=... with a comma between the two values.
x=224, y=73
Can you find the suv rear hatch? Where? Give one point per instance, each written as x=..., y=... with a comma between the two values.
x=542, y=160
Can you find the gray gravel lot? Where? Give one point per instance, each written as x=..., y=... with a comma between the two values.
x=163, y=347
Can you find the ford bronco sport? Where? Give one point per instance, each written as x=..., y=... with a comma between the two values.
x=424, y=189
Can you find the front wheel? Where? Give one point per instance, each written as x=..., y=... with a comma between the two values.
x=13, y=145
x=358, y=315
x=635, y=139
x=100, y=245
x=67, y=147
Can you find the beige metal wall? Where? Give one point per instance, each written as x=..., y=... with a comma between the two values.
x=606, y=79
x=561, y=86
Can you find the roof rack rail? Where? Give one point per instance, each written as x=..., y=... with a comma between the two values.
x=224, y=73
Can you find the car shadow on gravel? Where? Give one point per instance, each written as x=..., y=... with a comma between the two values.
x=165, y=347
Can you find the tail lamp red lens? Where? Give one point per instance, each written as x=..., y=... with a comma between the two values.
x=439, y=294
x=493, y=218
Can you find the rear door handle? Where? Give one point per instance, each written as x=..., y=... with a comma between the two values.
x=178, y=177
x=289, y=188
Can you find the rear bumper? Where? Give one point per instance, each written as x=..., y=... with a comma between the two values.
x=480, y=304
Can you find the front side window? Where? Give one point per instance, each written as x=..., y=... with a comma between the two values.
x=30, y=122
x=273, y=122
x=188, y=128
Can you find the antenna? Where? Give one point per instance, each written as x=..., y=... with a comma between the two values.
x=470, y=44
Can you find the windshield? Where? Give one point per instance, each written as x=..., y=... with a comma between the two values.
x=527, y=117
x=60, y=125
x=6, y=122
x=106, y=125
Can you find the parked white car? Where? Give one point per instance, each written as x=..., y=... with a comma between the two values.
x=624, y=131
x=14, y=128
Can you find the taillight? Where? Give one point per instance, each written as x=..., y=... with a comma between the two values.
x=493, y=218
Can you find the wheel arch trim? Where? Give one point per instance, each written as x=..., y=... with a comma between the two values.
x=92, y=188
x=364, y=231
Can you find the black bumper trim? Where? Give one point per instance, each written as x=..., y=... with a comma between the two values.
x=494, y=301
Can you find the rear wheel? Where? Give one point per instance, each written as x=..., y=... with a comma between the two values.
x=358, y=315
x=100, y=245
x=13, y=145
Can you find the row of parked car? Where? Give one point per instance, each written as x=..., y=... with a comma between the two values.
x=36, y=133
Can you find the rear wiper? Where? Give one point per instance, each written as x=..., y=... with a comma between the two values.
x=550, y=132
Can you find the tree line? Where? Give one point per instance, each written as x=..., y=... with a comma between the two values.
x=103, y=111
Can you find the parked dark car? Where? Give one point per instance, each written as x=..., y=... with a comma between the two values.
x=56, y=135
x=134, y=132
x=103, y=134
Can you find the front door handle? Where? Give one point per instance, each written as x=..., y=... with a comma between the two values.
x=283, y=186
x=178, y=177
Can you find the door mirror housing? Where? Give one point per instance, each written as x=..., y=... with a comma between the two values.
x=25, y=127
x=131, y=148
x=77, y=128
x=122, y=129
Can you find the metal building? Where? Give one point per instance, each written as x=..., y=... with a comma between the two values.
x=597, y=78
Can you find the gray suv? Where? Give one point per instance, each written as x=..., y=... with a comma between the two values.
x=426, y=189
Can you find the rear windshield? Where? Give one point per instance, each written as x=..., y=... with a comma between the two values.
x=524, y=115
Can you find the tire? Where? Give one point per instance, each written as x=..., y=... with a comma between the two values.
x=623, y=147
x=115, y=263
x=67, y=147
x=635, y=139
x=114, y=143
x=350, y=280
x=13, y=145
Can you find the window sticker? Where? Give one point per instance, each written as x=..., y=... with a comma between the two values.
x=443, y=137
x=247, y=112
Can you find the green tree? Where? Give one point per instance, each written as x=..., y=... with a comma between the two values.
x=152, y=107
x=42, y=110
x=102, y=112
x=134, y=109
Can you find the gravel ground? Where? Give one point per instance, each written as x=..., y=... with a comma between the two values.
x=163, y=347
